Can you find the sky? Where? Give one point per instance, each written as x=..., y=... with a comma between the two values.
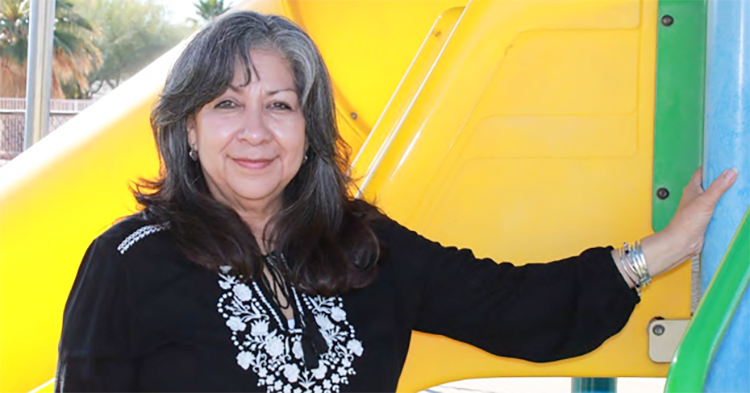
x=179, y=10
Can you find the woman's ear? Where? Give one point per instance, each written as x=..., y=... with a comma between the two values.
x=191, y=134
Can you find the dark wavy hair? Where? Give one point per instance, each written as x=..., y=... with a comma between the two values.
x=323, y=234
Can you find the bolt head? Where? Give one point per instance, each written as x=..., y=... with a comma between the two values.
x=662, y=193
x=658, y=329
x=667, y=20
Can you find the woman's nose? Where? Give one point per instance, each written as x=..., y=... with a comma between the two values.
x=255, y=129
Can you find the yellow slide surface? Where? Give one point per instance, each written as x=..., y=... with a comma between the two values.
x=520, y=129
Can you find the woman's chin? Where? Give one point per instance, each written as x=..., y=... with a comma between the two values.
x=261, y=194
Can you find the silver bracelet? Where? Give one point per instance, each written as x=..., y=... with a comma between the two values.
x=634, y=261
x=640, y=258
x=629, y=273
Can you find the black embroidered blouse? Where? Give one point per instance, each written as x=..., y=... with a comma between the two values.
x=141, y=317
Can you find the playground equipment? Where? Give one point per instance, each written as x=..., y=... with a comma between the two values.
x=703, y=338
x=524, y=130
x=728, y=145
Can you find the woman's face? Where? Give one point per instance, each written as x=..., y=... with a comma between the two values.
x=251, y=139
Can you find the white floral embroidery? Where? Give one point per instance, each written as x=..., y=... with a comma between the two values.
x=242, y=292
x=338, y=314
x=260, y=328
x=275, y=354
x=236, y=324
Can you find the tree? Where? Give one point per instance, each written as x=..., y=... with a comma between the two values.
x=74, y=52
x=133, y=34
x=208, y=10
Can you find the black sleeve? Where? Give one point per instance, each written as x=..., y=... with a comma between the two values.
x=96, y=346
x=537, y=312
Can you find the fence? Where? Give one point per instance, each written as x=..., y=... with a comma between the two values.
x=12, y=121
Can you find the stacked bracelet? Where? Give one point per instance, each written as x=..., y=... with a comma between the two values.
x=634, y=263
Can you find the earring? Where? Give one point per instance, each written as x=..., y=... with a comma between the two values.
x=193, y=153
x=304, y=158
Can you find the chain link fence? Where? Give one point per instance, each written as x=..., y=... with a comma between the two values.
x=12, y=122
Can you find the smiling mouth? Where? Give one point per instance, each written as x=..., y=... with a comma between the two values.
x=253, y=164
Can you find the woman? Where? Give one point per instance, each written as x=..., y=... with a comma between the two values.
x=252, y=269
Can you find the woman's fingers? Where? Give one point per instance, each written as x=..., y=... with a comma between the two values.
x=693, y=189
x=719, y=187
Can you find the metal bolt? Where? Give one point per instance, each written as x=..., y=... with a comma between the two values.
x=354, y=115
x=667, y=20
x=662, y=193
x=658, y=330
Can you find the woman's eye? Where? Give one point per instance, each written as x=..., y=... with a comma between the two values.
x=281, y=105
x=226, y=104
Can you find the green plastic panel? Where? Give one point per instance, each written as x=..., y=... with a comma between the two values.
x=680, y=86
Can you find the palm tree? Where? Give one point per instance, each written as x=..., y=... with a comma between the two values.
x=208, y=10
x=74, y=53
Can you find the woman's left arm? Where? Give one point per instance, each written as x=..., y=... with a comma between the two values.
x=683, y=237
x=538, y=312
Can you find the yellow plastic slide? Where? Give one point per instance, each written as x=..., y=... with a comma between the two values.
x=520, y=129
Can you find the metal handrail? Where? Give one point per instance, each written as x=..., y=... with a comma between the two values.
x=693, y=358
